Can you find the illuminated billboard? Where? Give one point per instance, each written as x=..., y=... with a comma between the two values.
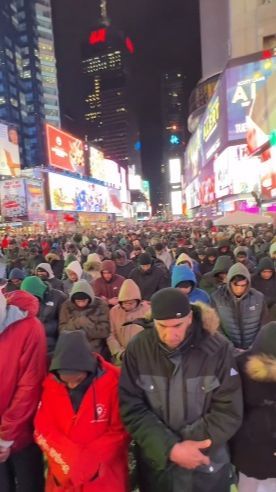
x=192, y=193
x=175, y=170
x=9, y=151
x=65, y=151
x=13, y=199
x=76, y=195
x=176, y=202
x=35, y=200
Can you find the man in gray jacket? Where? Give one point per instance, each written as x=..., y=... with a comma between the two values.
x=180, y=398
x=241, y=309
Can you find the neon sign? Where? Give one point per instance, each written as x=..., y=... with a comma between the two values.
x=100, y=36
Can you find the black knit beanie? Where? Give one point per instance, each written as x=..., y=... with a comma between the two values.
x=169, y=303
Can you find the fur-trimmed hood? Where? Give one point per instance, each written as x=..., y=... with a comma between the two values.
x=209, y=317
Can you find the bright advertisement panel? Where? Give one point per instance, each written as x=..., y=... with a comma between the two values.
x=114, y=201
x=176, y=202
x=222, y=172
x=76, y=195
x=65, y=151
x=268, y=176
x=35, y=200
x=207, y=185
x=124, y=190
x=9, y=151
x=251, y=101
x=13, y=199
x=112, y=172
x=135, y=181
x=193, y=156
x=96, y=167
x=193, y=194
x=175, y=170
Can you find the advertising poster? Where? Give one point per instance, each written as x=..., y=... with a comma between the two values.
x=223, y=178
x=65, y=151
x=96, y=159
x=193, y=156
x=13, y=199
x=35, y=201
x=207, y=185
x=268, y=177
x=112, y=172
x=114, y=201
x=251, y=101
x=76, y=195
x=9, y=151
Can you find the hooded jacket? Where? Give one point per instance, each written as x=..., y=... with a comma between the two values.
x=253, y=447
x=50, y=302
x=267, y=287
x=87, y=449
x=250, y=265
x=75, y=267
x=182, y=273
x=52, y=280
x=209, y=282
x=108, y=289
x=93, y=266
x=241, y=318
x=151, y=281
x=124, y=270
x=122, y=330
x=57, y=264
x=94, y=319
x=22, y=367
x=191, y=393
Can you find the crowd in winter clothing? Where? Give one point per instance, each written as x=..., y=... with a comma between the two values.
x=163, y=335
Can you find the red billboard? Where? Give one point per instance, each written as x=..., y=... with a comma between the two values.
x=65, y=151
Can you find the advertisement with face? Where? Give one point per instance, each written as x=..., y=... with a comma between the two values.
x=114, y=201
x=76, y=195
x=251, y=101
x=9, y=151
x=13, y=199
x=207, y=185
x=35, y=200
x=65, y=151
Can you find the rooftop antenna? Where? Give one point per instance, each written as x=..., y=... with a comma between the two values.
x=104, y=18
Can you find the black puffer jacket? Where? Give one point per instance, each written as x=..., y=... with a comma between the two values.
x=49, y=312
x=151, y=281
x=241, y=318
x=254, y=446
x=192, y=393
x=267, y=287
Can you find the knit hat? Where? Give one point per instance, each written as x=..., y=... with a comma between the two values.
x=16, y=274
x=145, y=259
x=45, y=267
x=73, y=354
x=169, y=303
x=85, y=251
x=265, y=264
x=34, y=286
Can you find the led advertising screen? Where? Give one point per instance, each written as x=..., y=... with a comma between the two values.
x=35, y=200
x=114, y=201
x=251, y=101
x=176, y=202
x=9, y=151
x=207, y=185
x=193, y=194
x=76, y=195
x=193, y=156
x=96, y=160
x=268, y=176
x=175, y=170
x=65, y=151
x=112, y=172
x=13, y=199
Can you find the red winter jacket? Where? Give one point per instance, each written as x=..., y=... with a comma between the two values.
x=22, y=368
x=87, y=450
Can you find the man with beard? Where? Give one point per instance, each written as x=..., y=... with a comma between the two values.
x=149, y=277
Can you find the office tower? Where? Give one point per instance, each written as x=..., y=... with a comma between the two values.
x=28, y=80
x=110, y=122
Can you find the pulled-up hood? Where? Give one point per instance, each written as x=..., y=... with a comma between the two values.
x=238, y=269
x=261, y=365
x=82, y=286
x=47, y=268
x=129, y=291
x=17, y=306
x=184, y=258
x=75, y=267
x=182, y=273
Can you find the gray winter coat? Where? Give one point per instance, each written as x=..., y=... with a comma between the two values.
x=241, y=318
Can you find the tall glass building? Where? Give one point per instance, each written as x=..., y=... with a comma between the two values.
x=28, y=78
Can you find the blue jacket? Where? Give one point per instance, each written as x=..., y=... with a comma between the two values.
x=182, y=273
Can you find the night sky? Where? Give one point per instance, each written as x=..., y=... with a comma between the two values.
x=166, y=36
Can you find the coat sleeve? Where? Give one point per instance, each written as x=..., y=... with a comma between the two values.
x=225, y=414
x=164, y=281
x=115, y=347
x=62, y=454
x=150, y=433
x=66, y=322
x=97, y=324
x=31, y=372
x=98, y=288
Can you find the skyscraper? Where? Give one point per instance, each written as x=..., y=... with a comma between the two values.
x=28, y=81
x=109, y=118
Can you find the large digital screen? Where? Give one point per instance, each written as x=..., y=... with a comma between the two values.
x=96, y=166
x=76, y=195
x=176, y=202
x=251, y=101
x=65, y=151
x=193, y=194
x=9, y=151
x=175, y=170
x=35, y=200
x=13, y=199
x=207, y=185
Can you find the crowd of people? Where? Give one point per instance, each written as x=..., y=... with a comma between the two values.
x=138, y=358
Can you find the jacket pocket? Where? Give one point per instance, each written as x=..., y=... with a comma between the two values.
x=198, y=391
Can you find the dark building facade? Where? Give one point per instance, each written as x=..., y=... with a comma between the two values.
x=28, y=80
x=110, y=122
